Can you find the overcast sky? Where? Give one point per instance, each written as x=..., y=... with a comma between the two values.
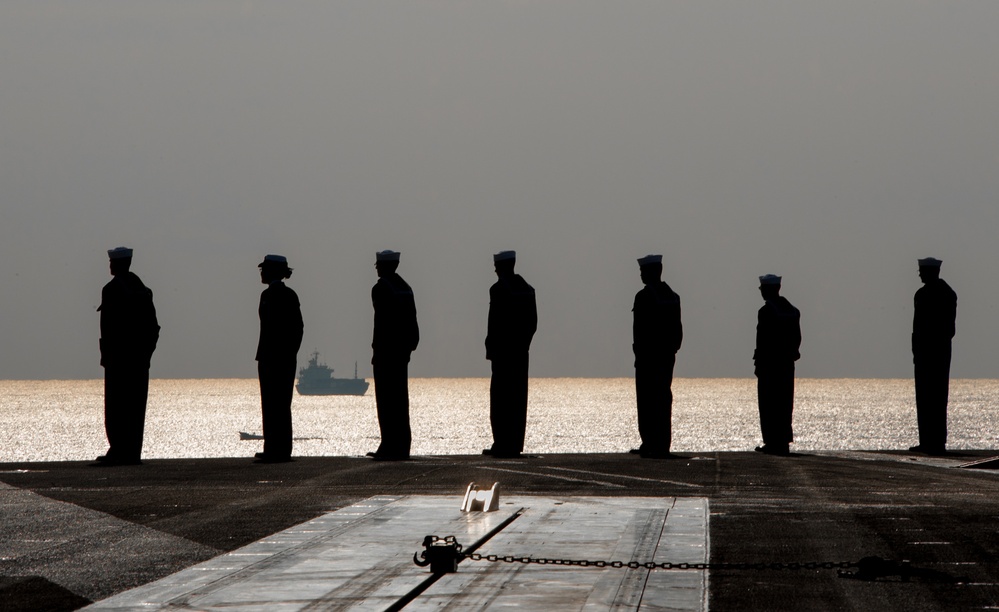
x=833, y=143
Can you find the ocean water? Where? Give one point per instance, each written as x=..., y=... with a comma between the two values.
x=63, y=420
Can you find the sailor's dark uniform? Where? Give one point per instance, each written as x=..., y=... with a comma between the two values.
x=778, y=338
x=129, y=332
x=933, y=327
x=281, y=329
x=513, y=320
x=396, y=336
x=657, y=335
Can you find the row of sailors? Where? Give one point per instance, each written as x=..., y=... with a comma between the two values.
x=129, y=333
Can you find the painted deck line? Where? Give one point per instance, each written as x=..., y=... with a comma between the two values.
x=911, y=459
x=360, y=558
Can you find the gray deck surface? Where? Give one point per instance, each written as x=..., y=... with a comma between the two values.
x=360, y=558
x=73, y=534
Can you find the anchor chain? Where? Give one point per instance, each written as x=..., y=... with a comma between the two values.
x=666, y=565
x=444, y=554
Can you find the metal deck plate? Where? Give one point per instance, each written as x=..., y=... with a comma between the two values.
x=361, y=558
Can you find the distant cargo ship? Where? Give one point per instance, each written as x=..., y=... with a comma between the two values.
x=317, y=379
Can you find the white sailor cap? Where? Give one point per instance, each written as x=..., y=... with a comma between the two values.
x=930, y=262
x=387, y=255
x=504, y=255
x=770, y=279
x=650, y=259
x=274, y=259
x=119, y=252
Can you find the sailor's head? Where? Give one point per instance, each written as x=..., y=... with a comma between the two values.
x=651, y=268
x=387, y=261
x=770, y=285
x=929, y=269
x=504, y=261
x=120, y=259
x=274, y=268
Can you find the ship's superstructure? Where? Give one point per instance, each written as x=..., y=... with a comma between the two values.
x=317, y=379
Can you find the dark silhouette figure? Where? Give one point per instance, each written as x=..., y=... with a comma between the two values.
x=778, y=338
x=513, y=319
x=396, y=335
x=129, y=332
x=281, y=329
x=933, y=326
x=657, y=335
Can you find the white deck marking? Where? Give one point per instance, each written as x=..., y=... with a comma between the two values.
x=360, y=558
x=603, y=483
x=623, y=476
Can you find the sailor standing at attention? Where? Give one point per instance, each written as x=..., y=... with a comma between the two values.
x=513, y=320
x=129, y=332
x=657, y=334
x=396, y=335
x=281, y=330
x=933, y=326
x=778, y=338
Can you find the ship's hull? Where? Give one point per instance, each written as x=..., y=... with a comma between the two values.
x=335, y=386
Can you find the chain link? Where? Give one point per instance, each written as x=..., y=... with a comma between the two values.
x=666, y=565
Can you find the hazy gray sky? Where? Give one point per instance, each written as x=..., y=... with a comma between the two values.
x=832, y=143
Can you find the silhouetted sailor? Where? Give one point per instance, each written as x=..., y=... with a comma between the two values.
x=657, y=334
x=932, y=330
x=396, y=335
x=513, y=319
x=129, y=332
x=281, y=330
x=778, y=338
